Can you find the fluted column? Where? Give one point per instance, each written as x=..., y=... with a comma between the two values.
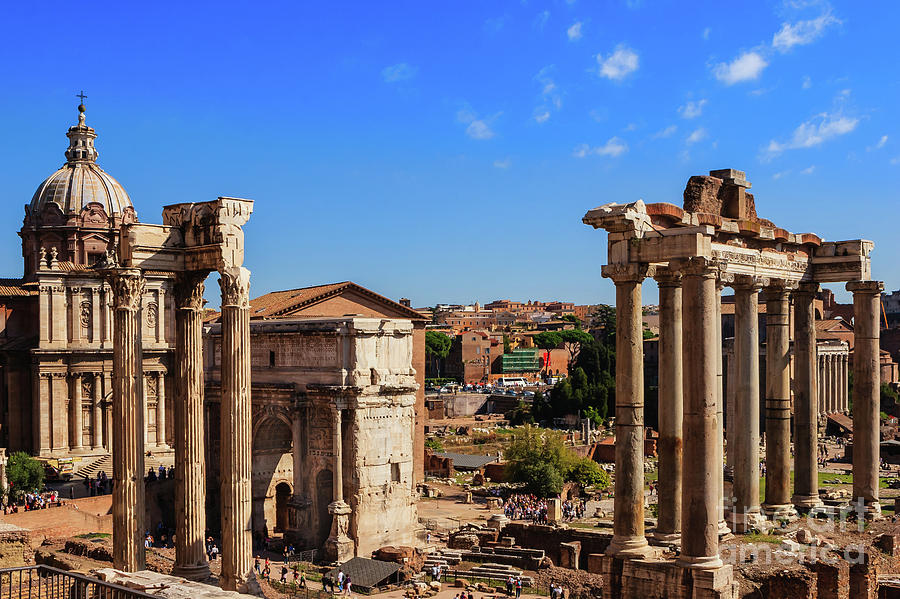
x=671, y=407
x=236, y=450
x=76, y=429
x=190, y=479
x=866, y=391
x=161, y=410
x=778, y=402
x=628, y=520
x=745, y=513
x=700, y=510
x=128, y=422
x=832, y=383
x=97, y=413
x=806, y=473
x=845, y=383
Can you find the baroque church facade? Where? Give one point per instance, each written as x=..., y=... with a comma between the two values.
x=56, y=320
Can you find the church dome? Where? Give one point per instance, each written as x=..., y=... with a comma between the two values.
x=80, y=181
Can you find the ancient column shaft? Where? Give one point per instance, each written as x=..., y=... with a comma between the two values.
x=337, y=441
x=866, y=391
x=700, y=509
x=128, y=422
x=76, y=431
x=628, y=519
x=745, y=513
x=236, y=443
x=671, y=407
x=778, y=402
x=161, y=410
x=806, y=474
x=97, y=413
x=720, y=412
x=190, y=480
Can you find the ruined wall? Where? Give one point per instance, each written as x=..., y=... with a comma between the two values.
x=549, y=538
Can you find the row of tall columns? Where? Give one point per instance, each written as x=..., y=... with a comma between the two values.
x=834, y=388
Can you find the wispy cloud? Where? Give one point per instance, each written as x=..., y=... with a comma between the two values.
x=505, y=163
x=746, y=67
x=895, y=160
x=541, y=115
x=667, y=132
x=879, y=144
x=706, y=32
x=696, y=135
x=398, y=72
x=809, y=170
x=692, y=109
x=574, y=32
x=618, y=65
x=612, y=148
x=541, y=19
x=477, y=128
x=780, y=174
x=802, y=32
x=807, y=82
x=813, y=132
x=551, y=99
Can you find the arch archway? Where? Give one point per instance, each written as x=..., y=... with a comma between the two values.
x=282, y=495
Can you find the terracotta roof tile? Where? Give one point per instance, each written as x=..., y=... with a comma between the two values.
x=16, y=288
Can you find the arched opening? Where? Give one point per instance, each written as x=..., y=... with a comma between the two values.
x=324, y=495
x=282, y=495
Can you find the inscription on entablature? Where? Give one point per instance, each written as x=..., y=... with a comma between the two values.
x=312, y=351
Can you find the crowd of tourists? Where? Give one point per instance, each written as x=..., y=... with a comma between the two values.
x=522, y=506
x=160, y=474
x=38, y=501
x=102, y=485
x=572, y=509
x=341, y=585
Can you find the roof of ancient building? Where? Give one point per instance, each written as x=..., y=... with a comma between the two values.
x=365, y=572
x=286, y=304
x=80, y=181
x=16, y=288
x=462, y=461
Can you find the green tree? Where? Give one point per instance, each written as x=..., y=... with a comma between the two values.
x=434, y=445
x=588, y=473
x=437, y=346
x=521, y=414
x=24, y=473
x=539, y=458
x=573, y=319
x=547, y=341
x=542, y=479
x=574, y=341
x=605, y=322
x=507, y=348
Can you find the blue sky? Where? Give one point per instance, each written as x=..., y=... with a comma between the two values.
x=447, y=151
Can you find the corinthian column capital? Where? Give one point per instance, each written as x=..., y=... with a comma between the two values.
x=128, y=288
x=235, y=284
x=625, y=273
x=698, y=266
x=864, y=287
x=189, y=288
x=751, y=283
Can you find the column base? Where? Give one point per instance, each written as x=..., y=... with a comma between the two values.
x=196, y=573
x=723, y=528
x=629, y=547
x=670, y=538
x=779, y=511
x=707, y=562
x=804, y=503
x=743, y=523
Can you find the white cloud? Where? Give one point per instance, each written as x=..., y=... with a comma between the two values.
x=550, y=97
x=505, y=163
x=706, y=33
x=692, y=109
x=477, y=128
x=398, y=72
x=881, y=142
x=802, y=32
x=696, y=135
x=780, y=174
x=574, y=32
x=746, y=67
x=667, y=132
x=612, y=148
x=541, y=19
x=541, y=116
x=813, y=132
x=807, y=82
x=808, y=170
x=619, y=64
x=895, y=160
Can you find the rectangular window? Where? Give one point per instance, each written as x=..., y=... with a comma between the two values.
x=395, y=472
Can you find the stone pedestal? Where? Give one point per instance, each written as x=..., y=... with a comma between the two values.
x=628, y=522
x=745, y=513
x=554, y=511
x=339, y=547
x=236, y=431
x=190, y=479
x=778, y=403
x=866, y=391
x=671, y=407
x=700, y=508
x=128, y=422
x=806, y=473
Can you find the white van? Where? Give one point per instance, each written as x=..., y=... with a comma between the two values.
x=511, y=381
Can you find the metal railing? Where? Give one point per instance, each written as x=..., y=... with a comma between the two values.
x=44, y=582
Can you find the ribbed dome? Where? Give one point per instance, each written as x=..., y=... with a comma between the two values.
x=80, y=181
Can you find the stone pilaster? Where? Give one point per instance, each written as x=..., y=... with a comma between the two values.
x=806, y=473
x=778, y=402
x=236, y=431
x=108, y=409
x=76, y=411
x=190, y=483
x=628, y=507
x=745, y=513
x=161, y=410
x=671, y=407
x=128, y=422
x=97, y=413
x=339, y=547
x=700, y=509
x=866, y=391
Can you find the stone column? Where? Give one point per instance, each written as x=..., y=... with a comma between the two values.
x=823, y=408
x=161, y=410
x=866, y=391
x=97, y=414
x=339, y=547
x=720, y=407
x=108, y=423
x=236, y=429
x=128, y=422
x=731, y=425
x=845, y=383
x=806, y=419
x=76, y=429
x=671, y=407
x=745, y=514
x=832, y=383
x=146, y=409
x=628, y=507
x=190, y=478
x=778, y=402
x=700, y=510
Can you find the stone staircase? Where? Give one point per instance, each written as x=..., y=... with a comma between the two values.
x=92, y=466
